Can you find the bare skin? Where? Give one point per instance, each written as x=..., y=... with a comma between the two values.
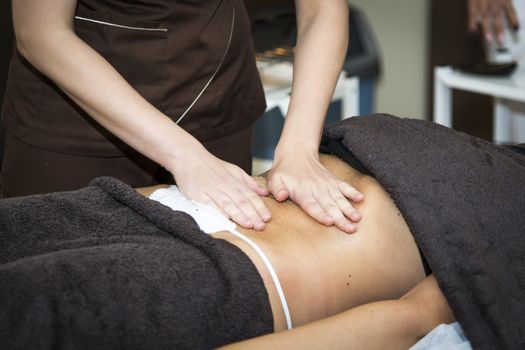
x=490, y=15
x=387, y=324
x=45, y=37
x=297, y=173
x=324, y=271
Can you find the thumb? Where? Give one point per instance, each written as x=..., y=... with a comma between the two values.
x=278, y=189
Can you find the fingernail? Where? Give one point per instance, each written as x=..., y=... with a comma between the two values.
x=328, y=220
x=259, y=226
x=355, y=216
x=350, y=228
x=488, y=37
x=501, y=38
x=358, y=196
x=266, y=217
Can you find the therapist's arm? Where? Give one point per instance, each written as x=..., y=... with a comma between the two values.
x=45, y=37
x=297, y=173
x=393, y=324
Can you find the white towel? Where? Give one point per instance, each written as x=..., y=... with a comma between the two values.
x=209, y=219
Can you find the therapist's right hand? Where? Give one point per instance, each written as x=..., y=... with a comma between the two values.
x=224, y=186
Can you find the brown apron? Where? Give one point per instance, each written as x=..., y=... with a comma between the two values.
x=193, y=60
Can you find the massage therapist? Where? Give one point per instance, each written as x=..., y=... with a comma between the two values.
x=150, y=91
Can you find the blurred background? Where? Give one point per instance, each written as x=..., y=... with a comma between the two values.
x=394, y=49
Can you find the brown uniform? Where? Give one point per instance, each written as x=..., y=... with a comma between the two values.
x=193, y=60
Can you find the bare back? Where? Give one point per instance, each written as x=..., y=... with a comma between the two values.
x=323, y=270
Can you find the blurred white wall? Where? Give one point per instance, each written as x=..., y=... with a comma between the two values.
x=401, y=28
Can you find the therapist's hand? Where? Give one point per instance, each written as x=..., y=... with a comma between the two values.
x=209, y=180
x=303, y=179
x=490, y=14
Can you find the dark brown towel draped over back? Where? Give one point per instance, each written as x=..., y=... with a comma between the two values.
x=464, y=201
x=105, y=268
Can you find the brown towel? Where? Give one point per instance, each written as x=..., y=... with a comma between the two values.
x=464, y=201
x=105, y=268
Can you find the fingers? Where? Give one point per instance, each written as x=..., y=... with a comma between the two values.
x=318, y=192
x=258, y=204
x=350, y=192
x=512, y=17
x=241, y=201
x=255, y=187
x=340, y=209
x=340, y=220
x=487, y=28
x=491, y=16
x=278, y=189
x=243, y=207
x=345, y=206
x=209, y=202
x=226, y=187
x=329, y=211
x=313, y=207
x=473, y=16
x=330, y=206
x=499, y=28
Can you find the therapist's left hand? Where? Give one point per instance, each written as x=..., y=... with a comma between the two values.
x=303, y=179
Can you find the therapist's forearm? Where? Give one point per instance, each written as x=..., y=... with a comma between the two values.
x=319, y=55
x=45, y=36
x=54, y=49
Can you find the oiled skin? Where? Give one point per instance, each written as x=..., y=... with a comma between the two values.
x=325, y=271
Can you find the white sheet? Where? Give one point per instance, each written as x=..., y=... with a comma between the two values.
x=444, y=336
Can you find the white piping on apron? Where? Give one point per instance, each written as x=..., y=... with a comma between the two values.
x=165, y=30
x=121, y=26
x=214, y=73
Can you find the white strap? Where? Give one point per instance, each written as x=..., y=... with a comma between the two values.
x=270, y=268
x=210, y=220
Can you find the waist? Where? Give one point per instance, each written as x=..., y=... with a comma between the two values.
x=278, y=313
x=325, y=271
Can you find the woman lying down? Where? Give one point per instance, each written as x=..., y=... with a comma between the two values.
x=105, y=267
